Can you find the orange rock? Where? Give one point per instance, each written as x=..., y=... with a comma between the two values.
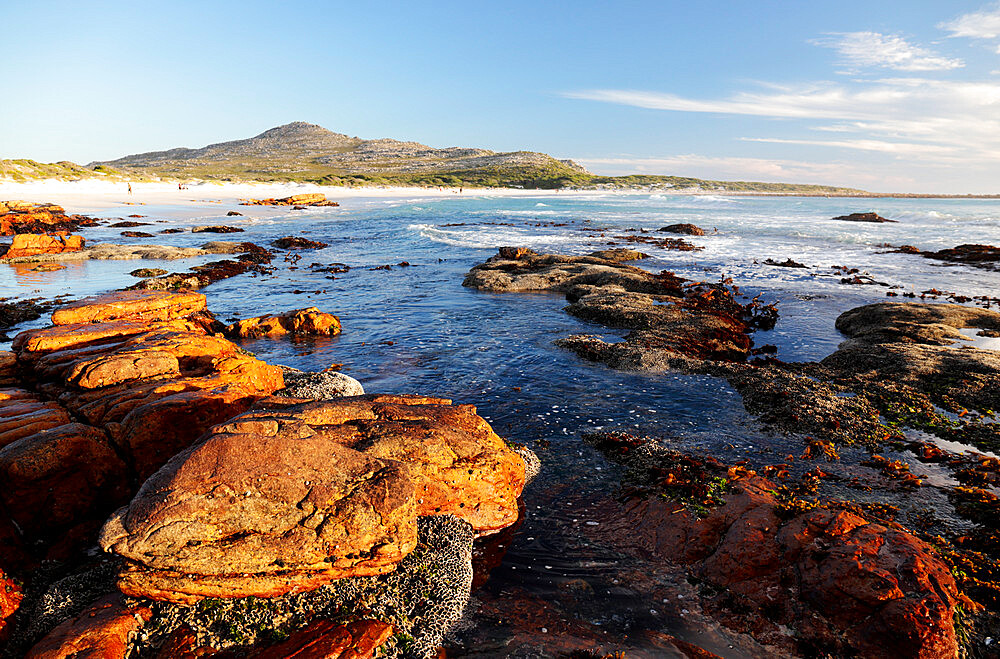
x=323, y=639
x=10, y=602
x=22, y=418
x=102, y=631
x=458, y=464
x=30, y=244
x=61, y=477
x=132, y=306
x=237, y=515
x=32, y=345
x=23, y=217
x=308, y=199
x=309, y=321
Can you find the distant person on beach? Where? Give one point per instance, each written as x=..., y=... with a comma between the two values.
x=130, y=188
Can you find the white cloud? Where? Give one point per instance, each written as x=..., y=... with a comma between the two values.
x=951, y=119
x=911, y=149
x=886, y=50
x=982, y=24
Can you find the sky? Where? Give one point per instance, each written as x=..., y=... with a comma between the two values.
x=893, y=95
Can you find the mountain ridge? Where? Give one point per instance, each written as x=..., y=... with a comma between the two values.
x=303, y=152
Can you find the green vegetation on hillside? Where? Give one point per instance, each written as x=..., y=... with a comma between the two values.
x=22, y=170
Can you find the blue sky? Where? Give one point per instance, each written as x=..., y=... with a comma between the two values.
x=888, y=96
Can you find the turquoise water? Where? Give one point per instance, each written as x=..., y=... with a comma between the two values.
x=417, y=330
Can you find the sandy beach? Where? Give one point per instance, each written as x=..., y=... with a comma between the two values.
x=101, y=196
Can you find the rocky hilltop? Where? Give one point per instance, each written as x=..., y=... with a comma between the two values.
x=303, y=151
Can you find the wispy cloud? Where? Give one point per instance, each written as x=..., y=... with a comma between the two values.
x=982, y=24
x=867, y=49
x=911, y=149
x=901, y=116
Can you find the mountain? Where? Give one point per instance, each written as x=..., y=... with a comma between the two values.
x=306, y=152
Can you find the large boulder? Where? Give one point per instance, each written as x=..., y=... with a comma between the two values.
x=249, y=514
x=295, y=494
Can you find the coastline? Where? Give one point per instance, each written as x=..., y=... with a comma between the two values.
x=96, y=196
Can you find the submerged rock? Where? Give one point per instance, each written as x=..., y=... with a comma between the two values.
x=844, y=585
x=300, y=322
x=863, y=217
x=296, y=242
x=684, y=228
x=674, y=323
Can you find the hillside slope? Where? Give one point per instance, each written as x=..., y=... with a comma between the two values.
x=306, y=152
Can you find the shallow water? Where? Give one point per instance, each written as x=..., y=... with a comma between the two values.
x=417, y=330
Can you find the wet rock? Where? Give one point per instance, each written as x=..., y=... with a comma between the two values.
x=28, y=244
x=787, y=263
x=216, y=229
x=295, y=242
x=48, y=267
x=977, y=255
x=301, y=322
x=128, y=224
x=144, y=273
x=23, y=217
x=845, y=585
x=684, y=228
x=20, y=311
x=234, y=214
x=136, y=234
x=319, y=386
x=863, y=217
x=102, y=631
x=674, y=323
x=309, y=199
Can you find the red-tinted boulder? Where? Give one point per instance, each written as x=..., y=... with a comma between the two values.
x=30, y=244
x=59, y=478
x=102, y=631
x=323, y=639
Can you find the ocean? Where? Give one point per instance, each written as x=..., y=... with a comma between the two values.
x=415, y=329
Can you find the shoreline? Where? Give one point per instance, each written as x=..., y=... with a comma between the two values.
x=95, y=196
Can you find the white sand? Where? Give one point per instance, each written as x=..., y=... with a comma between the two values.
x=93, y=196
